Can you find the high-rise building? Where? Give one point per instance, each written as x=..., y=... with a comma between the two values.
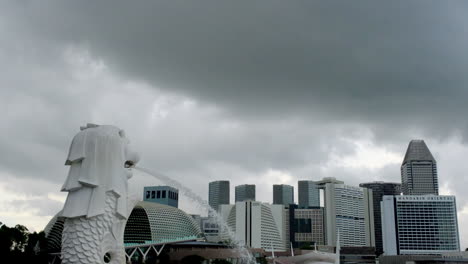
x=258, y=225
x=161, y=194
x=419, y=170
x=379, y=189
x=218, y=194
x=283, y=194
x=306, y=225
x=245, y=192
x=309, y=194
x=419, y=224
x=349, y=211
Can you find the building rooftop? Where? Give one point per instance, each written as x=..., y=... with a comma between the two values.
x=418, y=150
x=380, y=182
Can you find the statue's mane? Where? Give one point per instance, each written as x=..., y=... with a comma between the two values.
x=97, y=160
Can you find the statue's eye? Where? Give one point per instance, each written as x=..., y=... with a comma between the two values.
x=129, y=164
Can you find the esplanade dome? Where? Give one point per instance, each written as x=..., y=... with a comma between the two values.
x=157, y=222
x=148, y=222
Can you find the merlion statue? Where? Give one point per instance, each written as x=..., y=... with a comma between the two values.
x=96, y=208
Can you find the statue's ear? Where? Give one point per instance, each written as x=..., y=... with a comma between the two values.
x=122, y=133
x=89, y=125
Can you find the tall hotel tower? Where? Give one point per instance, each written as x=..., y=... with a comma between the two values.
x=218, y=194
x=350, y=210
x=419, y=170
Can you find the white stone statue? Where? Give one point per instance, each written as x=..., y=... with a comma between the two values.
x=97, y=208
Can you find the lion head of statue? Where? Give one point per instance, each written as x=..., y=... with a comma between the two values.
x=101, y=161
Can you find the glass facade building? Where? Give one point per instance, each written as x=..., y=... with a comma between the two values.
x=245, y=192
x=379, y=189
x=419, y=224
x=419, y=170
x=218, y=194
x=309, y=194
x=283, y=194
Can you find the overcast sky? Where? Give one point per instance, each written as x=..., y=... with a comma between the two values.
x=258, y=92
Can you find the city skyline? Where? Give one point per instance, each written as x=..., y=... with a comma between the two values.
x=251, y=93
x=349, y=209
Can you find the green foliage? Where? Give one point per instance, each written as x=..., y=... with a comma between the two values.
x=192, y=259
x=21, y=246
x=262, y=260
x=306, y=245
x=221, y=261
x=226, y=242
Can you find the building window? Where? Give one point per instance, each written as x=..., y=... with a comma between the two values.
x=152, y=194
x=163, y=194
x=159, y=194
x=147, y=194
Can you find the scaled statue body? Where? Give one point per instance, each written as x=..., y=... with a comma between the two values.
x=96, y=208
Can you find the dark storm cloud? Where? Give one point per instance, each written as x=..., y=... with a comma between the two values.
x=373, y=62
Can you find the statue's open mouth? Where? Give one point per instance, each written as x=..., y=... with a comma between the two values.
x=129, y=164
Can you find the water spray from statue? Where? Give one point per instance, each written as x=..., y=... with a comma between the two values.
x=246, y=256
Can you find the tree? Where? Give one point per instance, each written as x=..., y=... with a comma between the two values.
x=36, y=248
x=262, y=260
x=305, y=245
x=13, y=239
x=20, y=246
x=193, y=259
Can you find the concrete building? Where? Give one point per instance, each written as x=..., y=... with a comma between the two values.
x=361, y=255
x=161, y=194
x=419, y=170
x=209, y=227
x=419, y=224
x=379, y=189
x=258, y=225
x=444, y=258
x=309, y=194
x=283, y=194
x=218, y=194
x=245, y=192
x=350, y=210
x=306, y=226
